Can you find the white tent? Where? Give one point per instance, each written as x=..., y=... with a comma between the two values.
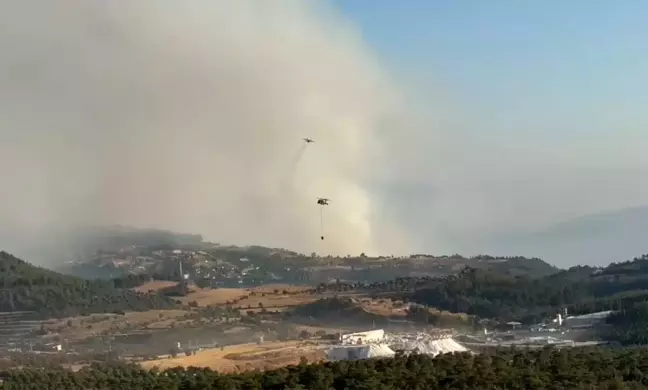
x=432, y=347
x=425, y=344
x=358, y=352
x=586, y=319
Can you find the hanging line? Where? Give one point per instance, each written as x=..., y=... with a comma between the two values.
x=322, y=221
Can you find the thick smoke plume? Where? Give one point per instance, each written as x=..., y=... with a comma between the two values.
x=188, y=116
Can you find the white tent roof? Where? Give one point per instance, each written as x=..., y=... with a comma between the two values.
x=591, y=316
x=433, y=347
x=358, y=352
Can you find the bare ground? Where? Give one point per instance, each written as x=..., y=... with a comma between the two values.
x=243, y=357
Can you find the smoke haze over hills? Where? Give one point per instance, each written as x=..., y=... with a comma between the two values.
x=189, y=116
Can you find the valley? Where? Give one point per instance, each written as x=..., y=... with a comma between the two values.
x=255, y=309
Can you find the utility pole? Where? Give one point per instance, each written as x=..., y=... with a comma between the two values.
x=183, y=286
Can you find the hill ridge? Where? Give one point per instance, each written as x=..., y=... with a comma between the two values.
x=27, y=287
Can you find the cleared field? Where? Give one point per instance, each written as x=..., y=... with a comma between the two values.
x=214, y=297
x=273, y=296
x=243, y=357
x=271, y=288
x=276, y=302
x=78, y=328
x=154, y=285
x=383, y=307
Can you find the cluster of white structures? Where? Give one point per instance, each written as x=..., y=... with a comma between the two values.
x=557, y=332
x=585, y=320
x=376, y=343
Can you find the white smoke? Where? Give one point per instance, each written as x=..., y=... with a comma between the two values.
x=187, y=116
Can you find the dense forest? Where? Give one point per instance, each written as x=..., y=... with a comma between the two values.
x=629, y=326
x=401, y=284
x=508, y=369
x=580, y=289
x=340, y=310
x=25, y=287
x=483, y=293
x=621, y=287
x=489, y=294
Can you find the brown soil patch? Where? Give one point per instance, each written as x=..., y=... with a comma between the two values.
x=280, y=288
x=383, y=307
x=274, y=297
x=217, y=297
x=274, y=302
x=243, y=357
x=79, y=328
x=155, y=285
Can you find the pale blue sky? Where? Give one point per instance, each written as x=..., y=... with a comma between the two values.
x=534, y=68
x=549, y=100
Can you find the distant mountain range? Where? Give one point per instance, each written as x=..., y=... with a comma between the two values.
x=595, y=239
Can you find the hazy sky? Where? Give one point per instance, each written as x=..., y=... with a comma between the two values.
x=190, y=117
x=438, y=124
x=537, y=109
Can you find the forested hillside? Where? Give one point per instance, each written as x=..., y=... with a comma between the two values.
x=580, y=289
x=571, y=369
x=29, y=288
x=486, y=294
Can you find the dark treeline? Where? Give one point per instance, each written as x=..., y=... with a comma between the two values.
x=424, y=315
x=401, y=284
x=490, y=294
x=25, y=287
x=621, y=287
x=629, y=326
x=484, y=293
x=510, y=369
x=580, y=289
x=340, y=309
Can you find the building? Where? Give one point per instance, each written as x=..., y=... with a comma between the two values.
x=586, y=320
x=371, y=336
x=514, y=324
x=375, y=343
x=360, y=345
x=358, y=352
